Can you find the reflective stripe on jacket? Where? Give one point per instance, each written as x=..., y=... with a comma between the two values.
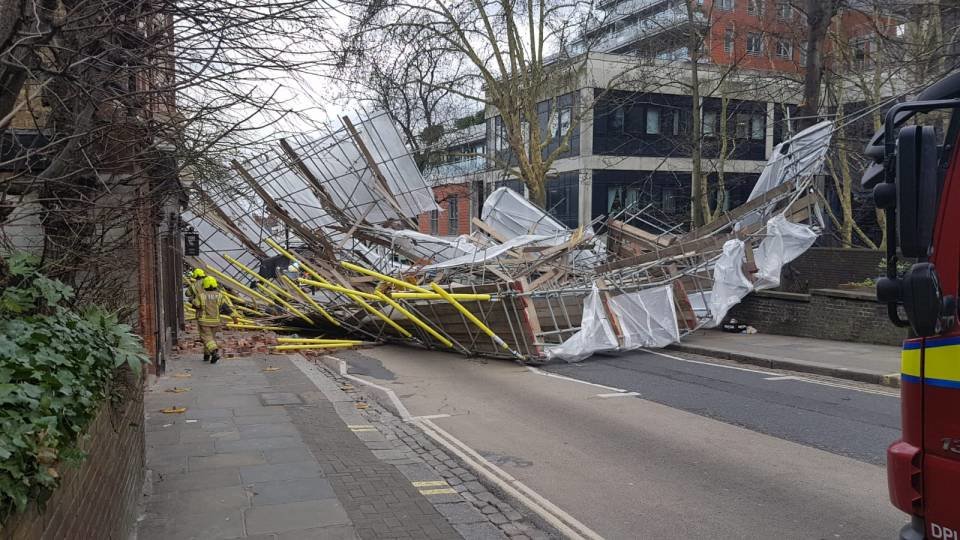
x=209, y=305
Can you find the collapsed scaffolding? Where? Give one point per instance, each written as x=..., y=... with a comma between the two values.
x=317, y=236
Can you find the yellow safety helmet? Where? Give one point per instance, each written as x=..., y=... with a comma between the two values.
x=198, y=273
x=209, y=283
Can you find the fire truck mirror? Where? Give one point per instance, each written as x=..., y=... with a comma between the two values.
x=923, y=299
x=917, y=178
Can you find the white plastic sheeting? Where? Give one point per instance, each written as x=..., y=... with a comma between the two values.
x=801, y=156
x=785, y=241
x=730, y=285
x=490, y=253
x=508, y=213
x=339, y=165
x=647, y=318
x=595, y=334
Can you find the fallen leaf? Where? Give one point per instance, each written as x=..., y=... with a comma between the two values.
x=174, y=410
x=47, y=455
x=178, y=389
x=182, y=375
x=346, y=387
x=53, y=472
x=362, y=405
x=271, y=369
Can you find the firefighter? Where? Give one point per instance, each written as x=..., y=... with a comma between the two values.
x=194, y=283
x=210, y=303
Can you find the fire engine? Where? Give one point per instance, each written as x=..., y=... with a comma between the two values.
x=915, y=177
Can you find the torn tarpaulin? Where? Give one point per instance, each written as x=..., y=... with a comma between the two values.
x=646, y=318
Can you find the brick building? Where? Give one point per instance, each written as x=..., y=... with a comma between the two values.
x=632, y=96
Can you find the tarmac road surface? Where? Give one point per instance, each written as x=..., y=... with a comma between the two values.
x=702, y=452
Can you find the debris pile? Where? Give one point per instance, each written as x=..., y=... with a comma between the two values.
x=318, y=238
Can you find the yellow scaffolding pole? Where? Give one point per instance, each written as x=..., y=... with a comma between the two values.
x=313, y=303
x=257, y=276
x=339, y=289
x=356, y=297
x=313, y=346
x=288, y=307
x=258, y=327
x=383, y=277
x=241, y=286
x=472, y=318
x=309, y=269
x=426, y=327
x=316, y=340
x=435, y=296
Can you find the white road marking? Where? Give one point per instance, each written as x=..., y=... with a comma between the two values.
x=552, y=514
x=774, y=374
x=619, y=394
x=562, y=521
x=784, y=378
x=571, y=379
x=431, y=416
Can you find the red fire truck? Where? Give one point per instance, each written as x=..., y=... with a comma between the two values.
x=916, y=180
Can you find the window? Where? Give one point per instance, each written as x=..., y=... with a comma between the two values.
x=563, y=124
x=758, y=127
x=709, y=123
x=741, y=126
x=668, y=201
x=620, y=198
x=725, y=5
x=861, y=53
x=676, y=123
x=803, y=55
x=500, y=135
x=653, y=121
x=453, y=215
x=728, y=40
x=755, y=7
x=616, y=120
x=435, y=222
x=754, y=43
x=784, y=10
x=784, y=49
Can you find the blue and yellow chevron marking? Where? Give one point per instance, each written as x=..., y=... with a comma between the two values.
x=941, y=366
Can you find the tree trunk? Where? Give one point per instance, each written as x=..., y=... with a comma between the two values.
x=819, y=14
x=697, y=191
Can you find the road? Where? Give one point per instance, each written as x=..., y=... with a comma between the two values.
x=703, y=451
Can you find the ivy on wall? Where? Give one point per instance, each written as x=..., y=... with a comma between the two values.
x=57, y=367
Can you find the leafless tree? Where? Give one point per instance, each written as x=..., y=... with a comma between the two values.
x=104, y=102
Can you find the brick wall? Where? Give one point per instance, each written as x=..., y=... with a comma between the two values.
x=444, y=195
x=826, y=268
x=824, y=314
x=99, y=499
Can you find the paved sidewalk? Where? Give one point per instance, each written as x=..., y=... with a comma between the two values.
x=261, y=452
x=878, y=364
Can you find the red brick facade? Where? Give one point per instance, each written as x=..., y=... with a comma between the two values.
x=765, y=19
x=99, y=499
x=447, y=196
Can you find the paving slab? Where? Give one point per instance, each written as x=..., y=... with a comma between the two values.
x=280, y=471
x=295, y=516
x=294, y=490
x=279, y=398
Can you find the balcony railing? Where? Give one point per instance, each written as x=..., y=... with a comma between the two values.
x=446, y=171
x=642, y=29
